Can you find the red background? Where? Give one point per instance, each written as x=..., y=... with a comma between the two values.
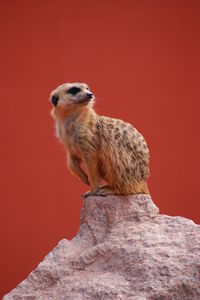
x=141, y=59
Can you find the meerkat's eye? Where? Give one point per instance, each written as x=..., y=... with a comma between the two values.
x=74, y=90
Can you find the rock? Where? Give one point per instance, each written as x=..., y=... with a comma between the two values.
x=124, y=250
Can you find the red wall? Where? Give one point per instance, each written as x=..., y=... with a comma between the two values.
x=141, y=59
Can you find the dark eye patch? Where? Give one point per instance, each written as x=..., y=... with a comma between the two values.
x=74, y=90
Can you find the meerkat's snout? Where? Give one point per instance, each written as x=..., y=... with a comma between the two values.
x=89, y=95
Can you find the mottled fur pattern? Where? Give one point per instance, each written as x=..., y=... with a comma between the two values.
x=111, y=149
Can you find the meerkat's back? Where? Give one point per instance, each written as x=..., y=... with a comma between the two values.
x=124, y=154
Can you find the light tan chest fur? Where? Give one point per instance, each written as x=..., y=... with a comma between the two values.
x=74, y=135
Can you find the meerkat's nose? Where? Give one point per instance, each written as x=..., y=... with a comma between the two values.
x=54, y=100
x=89, y=95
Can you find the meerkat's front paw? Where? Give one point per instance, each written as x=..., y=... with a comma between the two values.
x=101, y=191
x=87, y=194
x=104, y=191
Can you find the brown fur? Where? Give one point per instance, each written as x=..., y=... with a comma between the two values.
x=112, y=150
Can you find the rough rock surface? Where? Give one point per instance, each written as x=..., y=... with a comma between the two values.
x=124, y=250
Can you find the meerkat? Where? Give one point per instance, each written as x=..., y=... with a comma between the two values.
x=111, y=149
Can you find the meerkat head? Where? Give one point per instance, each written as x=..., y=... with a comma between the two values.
x=70, y=96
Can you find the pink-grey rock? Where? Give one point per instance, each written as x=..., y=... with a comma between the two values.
x=124, y=249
